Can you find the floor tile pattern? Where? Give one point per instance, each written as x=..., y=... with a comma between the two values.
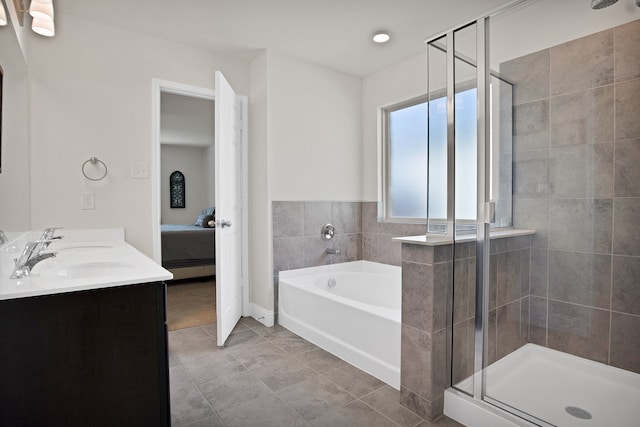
x=271, y=377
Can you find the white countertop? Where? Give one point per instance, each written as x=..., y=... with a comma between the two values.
x=433, y=239
x=87, y=259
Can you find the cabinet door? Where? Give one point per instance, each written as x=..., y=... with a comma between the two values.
x=89, y=358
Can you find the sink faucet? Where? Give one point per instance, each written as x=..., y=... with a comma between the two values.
x=49, y=232
x=331, y=251
x=32, y=254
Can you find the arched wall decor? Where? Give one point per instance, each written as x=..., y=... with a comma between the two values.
x=177, y=189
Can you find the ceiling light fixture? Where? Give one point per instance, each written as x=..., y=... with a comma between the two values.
x=41, y=12
x=381, y=36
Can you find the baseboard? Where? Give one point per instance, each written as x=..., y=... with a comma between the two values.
x=262, y=315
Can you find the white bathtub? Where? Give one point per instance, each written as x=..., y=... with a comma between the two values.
x=358, y=319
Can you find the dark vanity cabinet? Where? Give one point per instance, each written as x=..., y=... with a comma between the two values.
x=86, y=358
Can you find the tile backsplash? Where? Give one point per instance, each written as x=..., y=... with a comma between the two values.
x=359, y=234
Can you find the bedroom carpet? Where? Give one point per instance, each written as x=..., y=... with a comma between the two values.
x=191, y=303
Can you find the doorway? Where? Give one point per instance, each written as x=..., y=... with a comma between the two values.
x=187, y=207
x=202, y=211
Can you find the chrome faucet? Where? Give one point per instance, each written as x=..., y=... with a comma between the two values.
x=33, y=253
x=331, y=251
x=49, y=232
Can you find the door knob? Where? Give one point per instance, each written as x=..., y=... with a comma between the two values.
x=224, y=223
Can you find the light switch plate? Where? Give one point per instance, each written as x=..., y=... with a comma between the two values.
x=87, y=201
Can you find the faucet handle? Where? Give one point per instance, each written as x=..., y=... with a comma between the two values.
x=49, y=232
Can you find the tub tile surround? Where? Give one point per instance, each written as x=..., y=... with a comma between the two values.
x=359, y=235
x=577, y=183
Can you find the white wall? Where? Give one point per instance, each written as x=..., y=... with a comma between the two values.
x=91, y=96
x=306, y=126
x=14, y=179
x=314, y=116
x=194, y=164
x=260, y=250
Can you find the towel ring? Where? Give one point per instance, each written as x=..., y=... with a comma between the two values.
x=94, y=161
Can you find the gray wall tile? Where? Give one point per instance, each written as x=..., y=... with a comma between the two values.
x=625, y=341
x=580, y=278
x=509, y=266
x=625, y=296
x=389, y=251
x=315, y=251
x=531, y=125
x=584, y=117
x=350, y=246
x=581, y=225
x=538, y=320
x=369, y=217
x=531, y=174
x=627, y=168
x=579, y=330
x=533, y=214
x=346, y=217
x=626, y=233
x=416, y=362
x=627, y=51
x=582, y=63
x=316, y=214
x=539, y=272
x=531, y=76
x=370, y=247
x=509, y=333
x=580, y=171
x=288, y=253
x=288, y=219
x=627, y=109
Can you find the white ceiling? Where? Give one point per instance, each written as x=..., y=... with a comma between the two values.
x=333, y=33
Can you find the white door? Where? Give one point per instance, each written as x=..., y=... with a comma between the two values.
x=228, y=167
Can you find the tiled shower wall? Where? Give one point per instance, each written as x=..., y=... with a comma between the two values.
x=577, y=183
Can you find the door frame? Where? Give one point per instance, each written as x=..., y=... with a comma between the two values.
x=157, y=87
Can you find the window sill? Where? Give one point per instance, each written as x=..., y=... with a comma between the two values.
x=439, y=239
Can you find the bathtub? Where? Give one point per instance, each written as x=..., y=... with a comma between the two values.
x=351, y=310
x=554, y=388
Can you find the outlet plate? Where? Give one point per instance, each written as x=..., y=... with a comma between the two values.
x=139, y=170
x=87, y=201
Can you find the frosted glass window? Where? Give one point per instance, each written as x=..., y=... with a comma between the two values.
x=410, y=157
x=407, y=135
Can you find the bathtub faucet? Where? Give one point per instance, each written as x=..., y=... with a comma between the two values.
x=331, y=251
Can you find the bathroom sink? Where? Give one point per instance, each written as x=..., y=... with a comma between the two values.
x=83, y=248
x=87, y=270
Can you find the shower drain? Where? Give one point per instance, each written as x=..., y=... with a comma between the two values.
x=578, y=412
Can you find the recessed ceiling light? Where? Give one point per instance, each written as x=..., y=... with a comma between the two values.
x=381, y=36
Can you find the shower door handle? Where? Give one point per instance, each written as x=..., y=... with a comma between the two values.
x=489, y=212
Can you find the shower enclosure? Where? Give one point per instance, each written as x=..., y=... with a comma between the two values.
x=534, y=111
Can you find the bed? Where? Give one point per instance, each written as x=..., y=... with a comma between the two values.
x=189, y=250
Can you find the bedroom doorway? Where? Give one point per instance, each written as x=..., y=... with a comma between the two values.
x=184, y=235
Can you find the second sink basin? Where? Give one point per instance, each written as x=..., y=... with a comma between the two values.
x=87, y=270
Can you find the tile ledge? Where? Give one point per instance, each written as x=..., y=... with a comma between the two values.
x=439, y=239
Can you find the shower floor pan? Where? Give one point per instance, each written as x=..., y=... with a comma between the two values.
x=558, y=389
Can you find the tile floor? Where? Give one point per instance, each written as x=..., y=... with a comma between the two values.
x=272, y=377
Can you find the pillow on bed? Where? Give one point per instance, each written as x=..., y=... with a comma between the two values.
x=206, y=221
x=201, y=221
